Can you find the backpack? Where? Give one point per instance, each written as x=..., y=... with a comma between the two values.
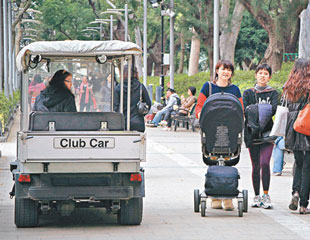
x=178, y=101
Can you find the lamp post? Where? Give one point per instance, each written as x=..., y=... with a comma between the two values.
x=216, y=32
x=111, y=12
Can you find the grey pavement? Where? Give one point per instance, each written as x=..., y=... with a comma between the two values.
x=174, y=168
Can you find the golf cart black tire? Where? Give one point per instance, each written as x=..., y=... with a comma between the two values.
x=130, y=212
x=245, y=200
x=196, y=200
x=203, y=208
x=240, y=208
x=26, y=213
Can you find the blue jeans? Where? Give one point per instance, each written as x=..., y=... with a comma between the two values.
x=278, y=155
x=158, y=116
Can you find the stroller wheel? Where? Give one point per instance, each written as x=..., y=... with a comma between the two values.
x=240, y=208
x=196, y=200
x=245, y=200
x=203, y=208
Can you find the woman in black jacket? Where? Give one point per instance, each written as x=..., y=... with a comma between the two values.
x=136, y=119
x=296, y=91
x=57, y=97
x=258, y=123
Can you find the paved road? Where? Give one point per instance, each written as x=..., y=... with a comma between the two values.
x=173, y=170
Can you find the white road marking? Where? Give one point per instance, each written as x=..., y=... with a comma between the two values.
x=289, y=221
x=181, y=160
x=279, y=215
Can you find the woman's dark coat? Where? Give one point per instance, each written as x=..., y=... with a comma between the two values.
x=54, y=99
x=136, y=119
x=294, y=140
x=250, y=98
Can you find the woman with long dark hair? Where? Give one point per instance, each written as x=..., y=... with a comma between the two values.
x=136, y=118
x=57, y=97
x=296, y=91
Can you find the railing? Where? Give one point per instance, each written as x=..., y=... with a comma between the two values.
x=289, y=57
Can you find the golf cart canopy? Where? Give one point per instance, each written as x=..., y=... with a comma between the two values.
x=71, y=49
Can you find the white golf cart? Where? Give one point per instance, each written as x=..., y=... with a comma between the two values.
x=78, y=159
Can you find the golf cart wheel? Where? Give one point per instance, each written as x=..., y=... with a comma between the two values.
x=203, y=208
x=240, y=208
x=196, y=200
x=130, y=212
x=245, y=200
x=26, y=213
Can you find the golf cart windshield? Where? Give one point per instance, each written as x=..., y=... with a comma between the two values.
x=96, y=68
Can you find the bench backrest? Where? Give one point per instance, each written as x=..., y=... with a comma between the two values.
x=76, y=121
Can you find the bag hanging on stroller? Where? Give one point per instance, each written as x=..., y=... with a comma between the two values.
x=222, y=181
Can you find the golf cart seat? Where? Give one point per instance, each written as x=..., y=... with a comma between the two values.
x=76, y=121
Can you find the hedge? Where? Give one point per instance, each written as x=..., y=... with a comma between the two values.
x=7, y=105
x=243, y=79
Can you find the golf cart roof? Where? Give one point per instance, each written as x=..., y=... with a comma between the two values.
x=75, y=48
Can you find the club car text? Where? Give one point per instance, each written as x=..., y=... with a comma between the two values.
x=83, y=143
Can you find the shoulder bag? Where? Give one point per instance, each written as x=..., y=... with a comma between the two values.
x=143, y=108
x=280, y=120
x=302, y=122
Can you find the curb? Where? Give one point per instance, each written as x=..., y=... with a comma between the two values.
x=4, y=138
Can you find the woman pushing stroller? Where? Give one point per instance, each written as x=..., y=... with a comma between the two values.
x=222, y=83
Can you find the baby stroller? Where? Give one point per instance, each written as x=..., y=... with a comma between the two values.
x=221, y=123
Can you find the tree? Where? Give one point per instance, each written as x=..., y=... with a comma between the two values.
x=65, y=19
x=230, y=27
x=194, y=55
x=278, y=18
x=251, y=43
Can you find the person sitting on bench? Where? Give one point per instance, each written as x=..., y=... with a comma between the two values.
x=185, y=108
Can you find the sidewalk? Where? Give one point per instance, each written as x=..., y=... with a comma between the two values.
x=8, y=148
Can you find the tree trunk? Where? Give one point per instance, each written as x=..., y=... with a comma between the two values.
x=139, y=57
x=230, y=30
x=194, y=55
x=155, y=55
x=18, y=37
x=274, y=52
x=149, y=66
x=182, y=53
x=304, y=37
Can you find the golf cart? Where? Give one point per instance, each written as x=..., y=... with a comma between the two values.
x=67, y=160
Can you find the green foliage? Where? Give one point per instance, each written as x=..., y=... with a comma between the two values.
x=252, y=41
x=6, y=106
x=65, y=19
x=243, y=79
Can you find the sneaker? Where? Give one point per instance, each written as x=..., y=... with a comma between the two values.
x=304, y=210
x=167, y=128
x=163, y=123
x=216, y=204
x=228, y=205
x=276, y=174
x=257, y=201
x=150, y=124
x=294, y=202
x=266, y=202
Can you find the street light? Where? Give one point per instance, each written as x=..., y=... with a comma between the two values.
x=119, y=13
x=100, y=21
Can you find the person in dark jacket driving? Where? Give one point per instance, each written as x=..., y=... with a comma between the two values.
x=296, y=91
x=57, y=97
x=136, y=119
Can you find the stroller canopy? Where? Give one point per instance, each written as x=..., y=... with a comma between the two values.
x=221, y=121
